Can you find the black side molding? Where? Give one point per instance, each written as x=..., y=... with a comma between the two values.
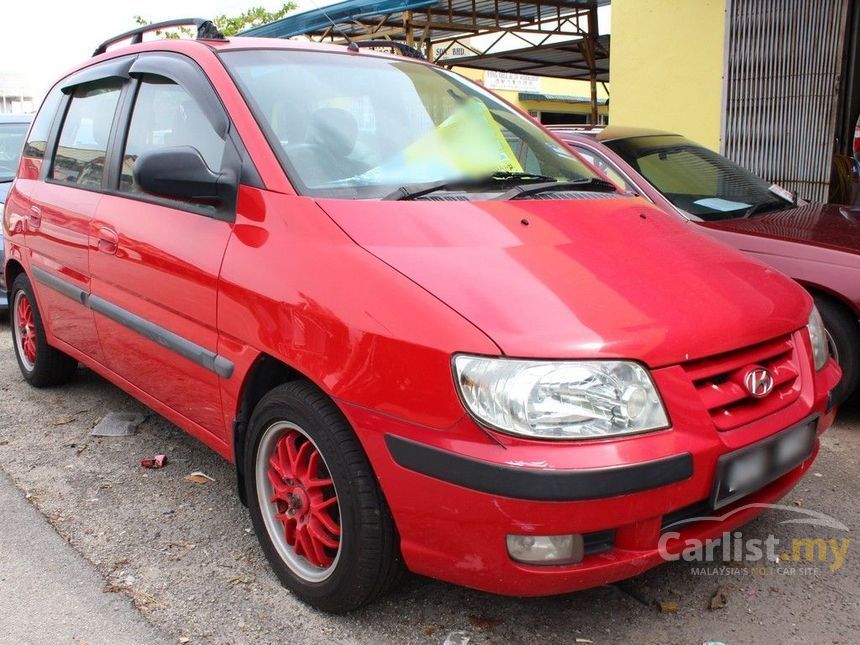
x=538, y=485
x=164, y=337
x=61, y=286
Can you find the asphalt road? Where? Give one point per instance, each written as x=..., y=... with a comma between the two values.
x=52, y=594
x=181, y=556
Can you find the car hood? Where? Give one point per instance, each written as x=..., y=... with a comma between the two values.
x=594, y=278
x=826, y=225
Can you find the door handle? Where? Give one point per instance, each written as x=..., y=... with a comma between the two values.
x=34, y=218
x=108, y=240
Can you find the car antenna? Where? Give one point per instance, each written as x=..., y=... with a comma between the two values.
x=351, y=46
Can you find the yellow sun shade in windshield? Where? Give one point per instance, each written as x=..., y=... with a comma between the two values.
x=468, y=142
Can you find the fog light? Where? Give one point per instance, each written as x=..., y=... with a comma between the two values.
x=546, y=549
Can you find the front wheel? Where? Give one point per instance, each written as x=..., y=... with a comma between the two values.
x=41, y=364
x=314, y=501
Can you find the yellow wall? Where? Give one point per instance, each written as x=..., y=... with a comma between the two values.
x=666, y=66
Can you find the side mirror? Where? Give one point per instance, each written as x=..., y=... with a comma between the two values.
x=180, y=172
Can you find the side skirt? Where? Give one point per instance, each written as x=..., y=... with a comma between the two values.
x=195, y=430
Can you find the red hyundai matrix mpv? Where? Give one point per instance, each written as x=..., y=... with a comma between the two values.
x=427, y=333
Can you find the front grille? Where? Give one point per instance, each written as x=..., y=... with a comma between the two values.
x=719, y=382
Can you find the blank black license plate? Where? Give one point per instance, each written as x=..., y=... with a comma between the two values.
x=748, y=469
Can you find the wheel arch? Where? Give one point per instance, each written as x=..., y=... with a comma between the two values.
x=12, y=270
x=265, y=373
x=836, y=298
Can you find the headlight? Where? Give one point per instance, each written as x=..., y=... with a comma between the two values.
x=560, y=399
x=820, y=350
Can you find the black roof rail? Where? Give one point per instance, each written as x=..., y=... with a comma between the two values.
x=403, y=48
x=206, y=30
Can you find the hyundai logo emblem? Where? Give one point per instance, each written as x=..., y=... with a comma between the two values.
x=758, y=382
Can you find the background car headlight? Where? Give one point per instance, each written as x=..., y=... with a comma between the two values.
x=820, y=349
x=559, y=399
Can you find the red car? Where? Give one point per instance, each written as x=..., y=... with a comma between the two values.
x=397, y=305
x=856, y=145
x=816, y=244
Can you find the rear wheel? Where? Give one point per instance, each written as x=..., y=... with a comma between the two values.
x=843, y=335
x=316, y=506
x=41, y=364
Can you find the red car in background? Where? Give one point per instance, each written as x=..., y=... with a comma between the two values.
x=816, y=244
x=394, y=302
x=857, y=141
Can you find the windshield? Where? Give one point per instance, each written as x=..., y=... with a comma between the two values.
x=11, y=143
x=698, y=180
x=359, y=126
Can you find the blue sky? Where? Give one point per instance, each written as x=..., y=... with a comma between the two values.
x=43, y=38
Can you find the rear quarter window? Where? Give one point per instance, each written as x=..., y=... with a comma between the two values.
x=38, y=138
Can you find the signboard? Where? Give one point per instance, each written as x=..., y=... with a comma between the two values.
x=458, y=49
x=507, y=81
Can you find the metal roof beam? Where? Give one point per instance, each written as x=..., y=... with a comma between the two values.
x=560, y=4
x=514, y=32
x=504, y=17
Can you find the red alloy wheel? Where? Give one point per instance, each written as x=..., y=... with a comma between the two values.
x=26, y=328
x=305, y=499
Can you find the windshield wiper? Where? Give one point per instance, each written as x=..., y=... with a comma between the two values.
x=594, y=184
x=500, y=177
x=763, y=207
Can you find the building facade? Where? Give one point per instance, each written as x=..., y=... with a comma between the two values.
x=16, y=97
x=772, y=84
x=550, y=100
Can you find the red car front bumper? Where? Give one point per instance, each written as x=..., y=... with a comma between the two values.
x=619, y=494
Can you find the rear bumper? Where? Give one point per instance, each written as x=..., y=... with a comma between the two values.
x=456, y=494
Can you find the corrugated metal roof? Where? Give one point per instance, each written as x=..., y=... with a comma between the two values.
x=317, y=20
x=560, y=60
x=442, y=20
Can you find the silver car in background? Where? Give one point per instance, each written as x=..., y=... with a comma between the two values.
x=13, y=129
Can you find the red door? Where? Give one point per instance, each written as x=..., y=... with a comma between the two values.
x=57, y=237
x=155, y=266
x=60, y=210
x=155, y=275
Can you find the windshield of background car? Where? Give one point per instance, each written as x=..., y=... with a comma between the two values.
x=697, y=180
x=11, y=143
x=361, y=126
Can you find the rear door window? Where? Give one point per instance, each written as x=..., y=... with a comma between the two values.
x=83, y=140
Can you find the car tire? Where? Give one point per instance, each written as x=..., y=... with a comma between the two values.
x=315, y=503
x=843, y=332
x=41, y=364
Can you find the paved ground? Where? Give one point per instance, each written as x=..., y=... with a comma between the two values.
x=51, y=593
x=184, y=556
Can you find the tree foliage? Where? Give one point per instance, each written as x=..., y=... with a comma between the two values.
x=229, y=25
x=253, y=17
